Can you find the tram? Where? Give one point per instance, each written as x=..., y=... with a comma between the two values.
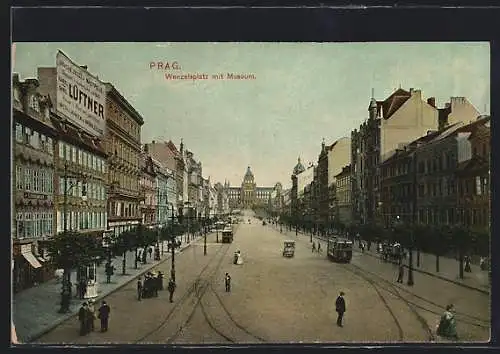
x=339, y=250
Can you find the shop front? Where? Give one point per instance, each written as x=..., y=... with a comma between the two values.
x=28, y=270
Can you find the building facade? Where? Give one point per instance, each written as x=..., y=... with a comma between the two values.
x=473, y=176
x=173, y=160
x=162, y=177
x=33, y=209
x=401, y=118
x=123, y=147
x=343, y=196
x=148, y=193
x=249, y=195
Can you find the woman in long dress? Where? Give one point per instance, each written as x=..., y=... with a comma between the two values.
x=447, y=326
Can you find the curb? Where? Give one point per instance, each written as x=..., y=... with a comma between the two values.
x=470, y=287
x=101, y=296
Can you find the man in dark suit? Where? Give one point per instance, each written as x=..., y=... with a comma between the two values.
x=82, y=317
x=104, y=311
x=340, y=308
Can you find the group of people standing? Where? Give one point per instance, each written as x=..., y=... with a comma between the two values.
x=87, y=316
x=153, y=282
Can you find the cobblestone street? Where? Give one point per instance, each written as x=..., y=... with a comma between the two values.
x=275, y=299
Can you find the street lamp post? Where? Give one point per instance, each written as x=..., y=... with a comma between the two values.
x=66, y=281
x=205, y=236
x=172, y=244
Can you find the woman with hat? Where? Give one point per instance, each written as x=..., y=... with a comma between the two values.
x=90, y=316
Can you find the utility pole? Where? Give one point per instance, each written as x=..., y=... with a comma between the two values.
x=413, y=217
x=205, y=237
x=173, y=244
x=66, y=279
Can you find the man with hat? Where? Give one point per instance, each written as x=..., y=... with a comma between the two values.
x=82, y=317
x=104, y=311
x=340, y=308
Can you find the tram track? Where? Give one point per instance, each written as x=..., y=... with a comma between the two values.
x=202, y=287
x=199, y=292
x=461, y=316
x=184, y=298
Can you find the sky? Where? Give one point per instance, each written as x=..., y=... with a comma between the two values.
x=301, y=93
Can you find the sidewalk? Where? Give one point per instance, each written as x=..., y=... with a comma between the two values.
x=35, y=310
x=448, y=267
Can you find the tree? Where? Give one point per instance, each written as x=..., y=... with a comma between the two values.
x=125, y=242
x=70, y=250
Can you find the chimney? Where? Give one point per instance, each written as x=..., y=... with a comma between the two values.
x=411, y=89
x=432, y=101
x=153, y=142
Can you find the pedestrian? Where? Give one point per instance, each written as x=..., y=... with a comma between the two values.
x=227, y=282
x=171, y=289
x=90, y=316
x=139, y=289
x=82, y=288
x=82, y=317
x=104, y=311
x=467, y=264
x=340, y=308
x=319, y=247
x=447, y=325
x=401, y=272
x=314, y=247
x=150, y=251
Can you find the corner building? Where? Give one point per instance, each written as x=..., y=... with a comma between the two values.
x=123, y=147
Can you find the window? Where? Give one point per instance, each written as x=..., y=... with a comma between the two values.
x=19, y=177
x=484, y=187
x=61, y=185
x=19, y=133
x=478, y=186
x=43, y=181
x=35, y=181
x=27, y=135
x=28, y=225
x=35, y=140
x=20, y=224
x=34, y=104
x=48, y=145
x=61, y=150
x=73, y=154
x=28, y=179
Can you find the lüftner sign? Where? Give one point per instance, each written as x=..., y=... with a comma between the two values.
x=81, y=97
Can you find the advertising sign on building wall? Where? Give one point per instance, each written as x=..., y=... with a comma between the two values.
x=81, y=97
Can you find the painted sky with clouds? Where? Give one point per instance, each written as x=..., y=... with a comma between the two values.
x=303, y=92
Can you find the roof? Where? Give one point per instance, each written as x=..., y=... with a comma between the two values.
x=248, y=173
x=124, y=103
x=345, y=170
x=392, y=103
x=299, y=168
x=172, y=147
x=69, y=133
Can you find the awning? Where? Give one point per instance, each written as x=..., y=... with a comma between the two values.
x=32, y=260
